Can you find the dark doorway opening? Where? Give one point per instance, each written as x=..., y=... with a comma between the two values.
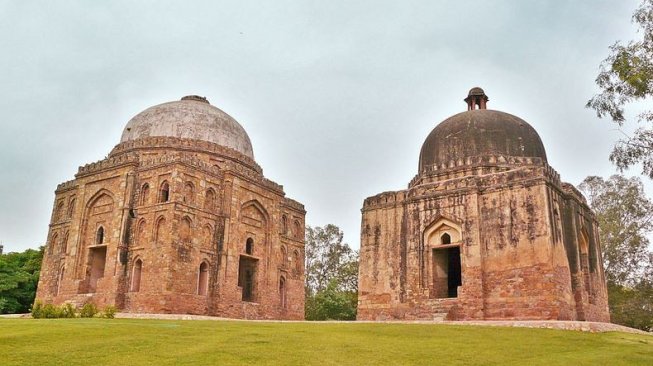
x=98, y=258
x=247, y=268
x=447, y=273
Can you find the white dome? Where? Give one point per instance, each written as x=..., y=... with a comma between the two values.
x=192, y=117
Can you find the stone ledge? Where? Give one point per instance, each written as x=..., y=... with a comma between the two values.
x=592, y=327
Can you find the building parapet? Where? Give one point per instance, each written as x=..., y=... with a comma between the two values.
x=184, y=144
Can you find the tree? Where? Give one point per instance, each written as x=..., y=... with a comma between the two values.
x=19, y=276
x=329, y=259
x=331, y=275
x=625, y=217
x=626, y=76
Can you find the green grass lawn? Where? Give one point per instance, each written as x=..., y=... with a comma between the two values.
x=165, y=342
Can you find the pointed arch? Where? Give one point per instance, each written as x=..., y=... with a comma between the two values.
x=164, y=192
x=189, y=193
x=64, y=242
x=137, y=272
x=284, y=224
x=141, y=232
x=60, y=276
x=71, y=206
x=58, y=213
x=282, y=292
x=297, y=230
x=297, y=259
x=258, y=206
x=53, y=243
x=209, y=199
x=145, y=194
x=284, y=257
x=99, y=235
x=207, y=236
x=97, y=196
x=442, y=250
x=159, y=229
x=203, y=278
x=185, y=229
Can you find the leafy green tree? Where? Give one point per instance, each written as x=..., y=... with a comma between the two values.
x=332, y=304
x=19, y=276
x=328, y=258
x=331, y=275
x=625, y=217
x=626, y=76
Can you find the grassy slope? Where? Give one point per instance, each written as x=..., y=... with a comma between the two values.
x=161, y=342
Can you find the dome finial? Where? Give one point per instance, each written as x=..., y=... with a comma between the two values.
x=476, y=98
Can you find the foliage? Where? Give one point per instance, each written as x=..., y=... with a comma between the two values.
x=626, y=76
x=632, y=306
x=19, y=276
x=50, y=311
x=109, y=312
x=332, y=304
x=625, y=217
x=88, y=310
x=331, y=275
x=329, y=259
x=195, y=342
x=68, y=311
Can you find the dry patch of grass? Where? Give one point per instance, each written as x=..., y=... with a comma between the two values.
x=165, y=342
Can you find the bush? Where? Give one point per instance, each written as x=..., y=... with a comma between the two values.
x=68, y=311
x=88, y=310
x=37, y=309
x=50, y=311
x=109, y=312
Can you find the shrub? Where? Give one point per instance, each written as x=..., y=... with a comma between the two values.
x=88, y=310
x=109, y=312
x=68, y=311
x=37, y=309
x=50, y=311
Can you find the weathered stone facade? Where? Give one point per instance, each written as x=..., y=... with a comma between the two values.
x=177, y=219
x=486, y=230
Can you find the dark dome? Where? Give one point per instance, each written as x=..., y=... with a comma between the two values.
x=480, y=132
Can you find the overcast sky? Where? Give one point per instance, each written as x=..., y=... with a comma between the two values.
x=336, y=96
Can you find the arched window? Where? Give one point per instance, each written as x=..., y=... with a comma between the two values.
x=164, y=192
x=203, y=279
x=145, y=194
x=136, y=275
x=249, y=246
x=184, y=231
x=99, y=236
x=297, y=260
x=189, y=193
x=282, y=292
x=298, y=230
x=71, y=207
x=64, y=243
x=445, y=239
x=140, y=233
x=284, y=257
x=53, y=243
x=58, y=215
x=60, y=279
x=209, y=199
x=158, y=232
x=207, y=236
x=284, y=224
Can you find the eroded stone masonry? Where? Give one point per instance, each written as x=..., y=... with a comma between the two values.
x=177, y=219
x=486, y=230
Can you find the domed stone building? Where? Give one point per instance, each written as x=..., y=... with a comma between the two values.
x=177, y=219
x=486, y=230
